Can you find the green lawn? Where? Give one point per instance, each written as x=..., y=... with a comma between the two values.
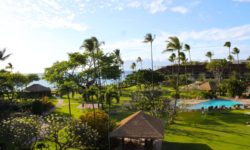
x=220, y=131
x=192, y=131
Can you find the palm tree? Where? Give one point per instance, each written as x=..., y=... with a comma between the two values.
x=172, y=59
x=184, y=62
x=3, y=56
x=236, y=51
x=10, y=66
x=209, y=55
x=174, y=44
x=133, y=66
x=149, y=39
x=139, y=60
x=188, y=48
x=228, y=45
x=230, y=58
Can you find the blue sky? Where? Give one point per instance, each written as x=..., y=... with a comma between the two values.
x=39, y=33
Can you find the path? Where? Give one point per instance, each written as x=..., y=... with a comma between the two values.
x=58, y=104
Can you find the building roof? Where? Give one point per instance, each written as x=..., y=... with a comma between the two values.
x=139, y=125
x=37, y=88
x=208, y=86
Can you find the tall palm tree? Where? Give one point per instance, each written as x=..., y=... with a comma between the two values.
x=133, y=66
x=228, y=45
x=236, y=51
x=148, y=38
x=139, y=60
x=230, y=58
x=188, y=48
x=209, y=55
x=3, y=56
x=184, y=62
x=172, y=59
x=174, y=44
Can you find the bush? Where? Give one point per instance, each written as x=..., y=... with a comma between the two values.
x=101, y=123
x=38, y=107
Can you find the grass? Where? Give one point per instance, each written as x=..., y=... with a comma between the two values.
x=220, y=131
x=191, y=131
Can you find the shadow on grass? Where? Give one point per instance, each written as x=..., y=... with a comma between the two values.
x=184, y=146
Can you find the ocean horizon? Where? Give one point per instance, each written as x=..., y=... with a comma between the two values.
x=53, y=86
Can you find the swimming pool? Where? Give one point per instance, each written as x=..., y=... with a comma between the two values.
x=215, y=102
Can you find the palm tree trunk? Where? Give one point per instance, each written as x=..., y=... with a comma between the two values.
x=177, y=86
x=189, y=56
x=152, y=64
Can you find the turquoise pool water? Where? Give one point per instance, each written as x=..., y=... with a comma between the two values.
x=215, y=102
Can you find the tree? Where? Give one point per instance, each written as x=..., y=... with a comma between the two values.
x=102, y=124
x=3, y=56
x=217, y=67
x=139, y=60
x=188, y=48
x=230, y=58
x=174, y=44
x=209, y=54
x=149, y=39
x=236, y=52
x=172, y=59
x=67, y=133
x=228, y=45
x=133, y=66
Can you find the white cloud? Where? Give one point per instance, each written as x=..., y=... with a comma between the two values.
x=44, y=13
x=180, y=9
x=134, y=4
x=157, y=6
x=200, y=41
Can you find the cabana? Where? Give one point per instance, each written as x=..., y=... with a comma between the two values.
x=208, y=86
x=139, y=131
x=37, y=90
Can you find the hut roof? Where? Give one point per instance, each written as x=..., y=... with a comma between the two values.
x=139, y=125
x=208, y=86
x=37, y=88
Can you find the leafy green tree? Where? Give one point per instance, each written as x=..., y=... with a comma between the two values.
x=217, y=67
x=230, y=58
x=209, y=54
x=233, y=87
x=67, y=133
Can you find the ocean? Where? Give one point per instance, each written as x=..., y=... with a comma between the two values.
x=52, y=86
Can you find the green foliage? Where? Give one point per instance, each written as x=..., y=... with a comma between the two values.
x=38, y=107
x=143, y=77
x=101, y=123
x=232, y=87
x=20, y=131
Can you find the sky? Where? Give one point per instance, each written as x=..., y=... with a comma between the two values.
x=40, y=32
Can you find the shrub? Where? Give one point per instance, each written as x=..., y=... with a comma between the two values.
x=99, y=121
x=38, y=107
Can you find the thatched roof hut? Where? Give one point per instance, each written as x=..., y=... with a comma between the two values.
x=140, y=126
x=37, y=90
x=208, y=86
